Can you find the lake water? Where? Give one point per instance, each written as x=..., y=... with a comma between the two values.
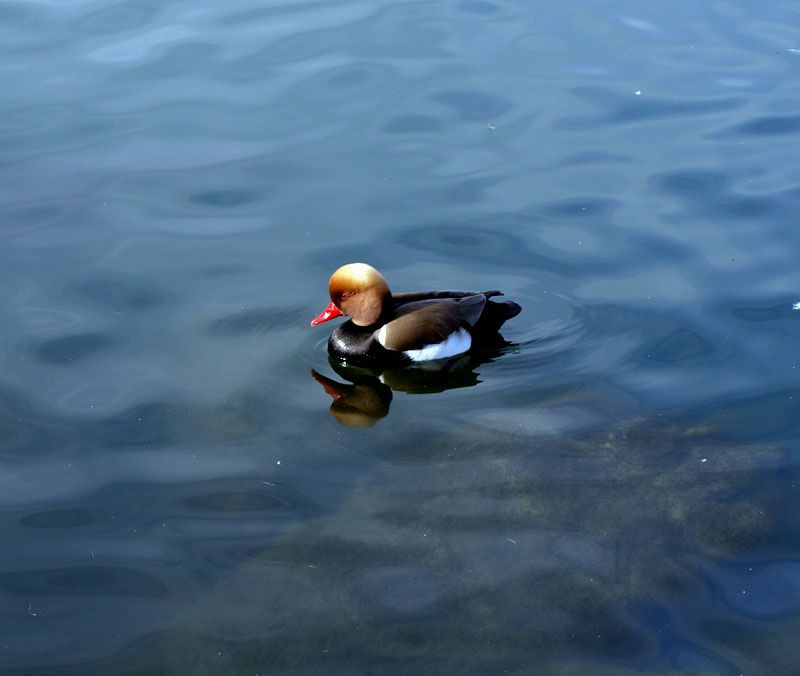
x=613, y=492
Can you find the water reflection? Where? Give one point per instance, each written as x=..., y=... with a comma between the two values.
x=357, y=405
x=366, y=398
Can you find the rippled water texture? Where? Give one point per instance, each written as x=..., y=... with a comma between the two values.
x=613, y=491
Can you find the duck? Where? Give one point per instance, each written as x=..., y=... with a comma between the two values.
x=388, y=329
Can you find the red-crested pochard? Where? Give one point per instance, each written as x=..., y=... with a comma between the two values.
x=401, y=329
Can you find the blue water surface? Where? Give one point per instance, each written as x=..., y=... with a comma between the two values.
x=615, y=491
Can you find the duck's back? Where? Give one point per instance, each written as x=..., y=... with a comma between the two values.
x=493, y=315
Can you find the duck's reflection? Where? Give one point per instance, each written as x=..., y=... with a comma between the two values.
x=357, y=404
x=366, y=398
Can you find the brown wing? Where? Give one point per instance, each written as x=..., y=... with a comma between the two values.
x=413, y=296
x=431, y=322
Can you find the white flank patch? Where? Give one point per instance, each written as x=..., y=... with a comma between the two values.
x=382, y=335
x=457, y=342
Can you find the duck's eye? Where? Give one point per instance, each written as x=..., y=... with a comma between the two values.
x=344, y=294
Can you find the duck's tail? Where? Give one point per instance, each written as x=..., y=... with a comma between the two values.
x=496, y=313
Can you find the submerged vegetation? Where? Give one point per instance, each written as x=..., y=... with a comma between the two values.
x=503, y=556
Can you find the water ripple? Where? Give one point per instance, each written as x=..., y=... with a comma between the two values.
x=619, y=109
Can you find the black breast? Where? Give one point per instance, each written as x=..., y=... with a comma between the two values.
x=358, y=345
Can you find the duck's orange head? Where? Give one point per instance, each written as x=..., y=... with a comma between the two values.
x=358, y=291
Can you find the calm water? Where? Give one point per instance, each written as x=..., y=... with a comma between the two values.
x=614, y=492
